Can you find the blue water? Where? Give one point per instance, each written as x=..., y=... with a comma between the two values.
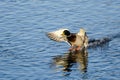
x=26, y=53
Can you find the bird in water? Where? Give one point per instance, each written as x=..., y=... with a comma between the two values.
x=77, y=41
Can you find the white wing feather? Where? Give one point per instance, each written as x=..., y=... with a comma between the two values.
x=57, y=35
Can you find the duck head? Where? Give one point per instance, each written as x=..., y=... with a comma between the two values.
x=66, y=33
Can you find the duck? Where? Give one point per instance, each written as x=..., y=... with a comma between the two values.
x=77, y=41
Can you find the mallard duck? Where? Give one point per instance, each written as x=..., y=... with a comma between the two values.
x=76, y=40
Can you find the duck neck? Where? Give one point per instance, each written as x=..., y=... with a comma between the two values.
x=69, y=35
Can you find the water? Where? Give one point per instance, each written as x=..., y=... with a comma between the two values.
x=26, y=53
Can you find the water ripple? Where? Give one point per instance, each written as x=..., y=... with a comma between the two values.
x=26, y=52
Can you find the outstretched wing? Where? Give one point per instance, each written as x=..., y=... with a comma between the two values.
x=84, y=36
x=57, y=35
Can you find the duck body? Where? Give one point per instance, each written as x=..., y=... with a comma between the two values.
x=76, y=40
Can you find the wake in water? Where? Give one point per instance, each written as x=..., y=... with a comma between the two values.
x=100, y=42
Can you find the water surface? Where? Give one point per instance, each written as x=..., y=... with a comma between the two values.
x=26, y=53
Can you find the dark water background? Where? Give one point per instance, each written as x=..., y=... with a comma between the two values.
x=26, y=53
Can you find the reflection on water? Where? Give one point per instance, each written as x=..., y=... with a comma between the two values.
x=67, y=60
